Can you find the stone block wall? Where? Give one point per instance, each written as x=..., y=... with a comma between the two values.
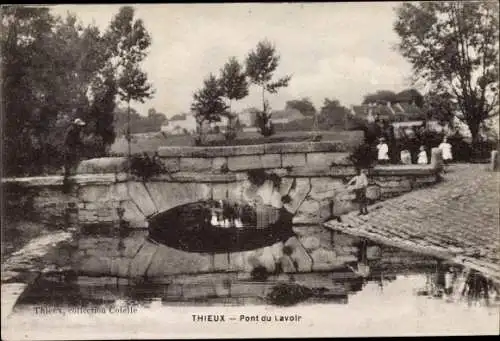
x=313, y=175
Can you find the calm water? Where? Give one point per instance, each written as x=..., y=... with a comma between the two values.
x=333, y=304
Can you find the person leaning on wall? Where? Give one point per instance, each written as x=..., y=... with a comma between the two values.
x=73, y=148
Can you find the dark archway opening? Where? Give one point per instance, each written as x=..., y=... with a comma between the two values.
x=190, y=227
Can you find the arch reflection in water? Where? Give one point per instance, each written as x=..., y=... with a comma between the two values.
x=220, y=226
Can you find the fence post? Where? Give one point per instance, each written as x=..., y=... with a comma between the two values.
x=494, y=160
x=437, y=158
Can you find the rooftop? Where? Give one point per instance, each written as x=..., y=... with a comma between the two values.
x=456, y=220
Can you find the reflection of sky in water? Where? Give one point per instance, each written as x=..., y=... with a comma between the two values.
x=393, y=309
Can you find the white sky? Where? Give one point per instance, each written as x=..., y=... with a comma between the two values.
x=335, y=50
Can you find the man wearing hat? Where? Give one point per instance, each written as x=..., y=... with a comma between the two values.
x=72, y=146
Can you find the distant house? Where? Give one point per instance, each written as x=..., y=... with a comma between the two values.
x=247, y=119
x=180, y=124
x=220, y=126
x=392, y=112
x=286, y=116
x=402, y=115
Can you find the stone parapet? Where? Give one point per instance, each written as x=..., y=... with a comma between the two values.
x=270, y=148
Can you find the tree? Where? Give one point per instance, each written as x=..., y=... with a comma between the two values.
x=381, y=96
x=24, y=31
x=234, y=84
x=53, y=71
x=208, y=103
x=155, y=117
x=304, y=105
x=440, y=105
x=454, y=46
x=332, y=115
x=128, y=43
x=233, y=81
x=410, y=96
x=261, y=64
x=101, y=115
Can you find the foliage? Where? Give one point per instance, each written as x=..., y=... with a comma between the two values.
x=454, y=46
x=263, y=120
x=440, y=105
x=410, y=95
x=304, y=105
x=463, y=151
x=138, y=123
x=54, y=70
x=233, y=81
x=128, y=43
x=332, y=115
x=363, y=156
x=234, y=85
x=261, y=64
x=146, y=167
x=380, y=96
x=101, y=117
x=384, y=96
x=232, y=128
x=208, y=104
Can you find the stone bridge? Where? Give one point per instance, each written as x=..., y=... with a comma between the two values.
x=108, y=209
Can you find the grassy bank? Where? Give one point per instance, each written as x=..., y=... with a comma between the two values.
x=150, y=142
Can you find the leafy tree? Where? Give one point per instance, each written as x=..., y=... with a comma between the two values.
x=233, y=81
x=156, y=118
x=208, y=103
x=261, y=64
x=332, y=115
x=24, y=32
x=381, y=96
x=440, y=105
x=101, y=115
x=235, y=87
x=410, y=95
x=128, y=44
x=52, y=71
x=454, y=46
x=304, y=105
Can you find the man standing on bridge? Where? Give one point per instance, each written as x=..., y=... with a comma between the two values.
x=72, y=148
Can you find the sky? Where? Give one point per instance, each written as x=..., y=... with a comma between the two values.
x=335, y=50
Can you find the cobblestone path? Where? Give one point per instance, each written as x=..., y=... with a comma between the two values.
x=457, y=220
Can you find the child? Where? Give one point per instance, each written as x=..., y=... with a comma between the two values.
x=359, y=184
x=405, y=157
x=445, y=148
x=383, y=151
x=422, y=156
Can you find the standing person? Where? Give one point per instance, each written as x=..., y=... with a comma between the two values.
x=445, y=148
x=383, y=151
x=405, y=157
x=359, y=184
x=422, y=156
x=72, y=147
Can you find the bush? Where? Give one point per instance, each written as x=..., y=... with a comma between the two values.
x=145, y=167
x=363, y=156
x=460, y=148
x=482, y=150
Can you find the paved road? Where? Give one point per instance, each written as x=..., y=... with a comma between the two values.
x=458, y=219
